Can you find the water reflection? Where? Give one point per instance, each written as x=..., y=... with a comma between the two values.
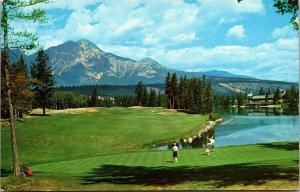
x=258, y=111
x=257, y=129
x=197, y=142
x=248, y=126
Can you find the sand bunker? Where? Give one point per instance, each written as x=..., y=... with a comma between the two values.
x=169, y=112
x=65, y=111
x=136, y=107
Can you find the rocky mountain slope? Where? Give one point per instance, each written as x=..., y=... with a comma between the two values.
x=83, y=63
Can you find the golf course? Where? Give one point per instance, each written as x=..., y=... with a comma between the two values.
x=111, y=149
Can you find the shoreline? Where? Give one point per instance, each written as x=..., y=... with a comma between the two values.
x=211, y=125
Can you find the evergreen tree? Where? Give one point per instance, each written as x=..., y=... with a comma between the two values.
x=152, y=98
x=20, y=88
x=276, y=96
x=198, y=94
x=14, y=10
x=173, y=91
x=145, y=97
x=139, y=93
x=168, y=89
x=180, y=94
x=4, y=98
x=293, y=98
x=185, y=91
x=93, y=101
x=191, y=107
x=43, y=80
x=208, y=99
x=159, y=100
x=267, y=97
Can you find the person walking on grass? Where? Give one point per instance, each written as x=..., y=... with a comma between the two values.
x=175, y=149
x=207, y=149
x=212, y=143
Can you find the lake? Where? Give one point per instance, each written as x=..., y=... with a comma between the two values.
x=248, y=127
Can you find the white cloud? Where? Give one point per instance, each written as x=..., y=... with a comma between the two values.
x=230, y=9
x=70, y=4
x=127, y=26
x=265, y=61
x=49, y=41
x=172, y=23
x=236, y=31
x=284, y=32
x=184, y=37
x=275, y=61
x=140, y=28
x=232, y=6
x=150, y=40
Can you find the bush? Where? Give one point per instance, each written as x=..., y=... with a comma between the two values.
x=214, y=116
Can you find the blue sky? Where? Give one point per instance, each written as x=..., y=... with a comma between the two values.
x=247, y=38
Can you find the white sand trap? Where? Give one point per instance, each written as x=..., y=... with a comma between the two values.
x=65, y=111
x=135, y=107
x=169, y=112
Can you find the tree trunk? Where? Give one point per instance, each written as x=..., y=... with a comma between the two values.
x=16, y=167
x=173, y=102
x=44, y=110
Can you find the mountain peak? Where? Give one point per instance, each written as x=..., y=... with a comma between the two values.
x=87, y=44
x=148, y=59
x=84, y=41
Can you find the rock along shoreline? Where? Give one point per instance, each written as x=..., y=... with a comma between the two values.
x=211, y=125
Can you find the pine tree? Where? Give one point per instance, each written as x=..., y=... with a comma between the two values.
x=293, y=99
x=4, y=97
x=93, y=101
x=14, y=10
x=276, y=96
x=159, y=100
x=208, y=99
x=185, y=92
x=191, y=107
x=152, y=98
x=173, y=91
x=139, y=93
x=180, y=94
x=168, y=89
x=145, y=97
x=20, y=88
x=43, y=80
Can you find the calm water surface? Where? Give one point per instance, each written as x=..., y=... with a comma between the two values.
x=248, y=128
x=237, y=130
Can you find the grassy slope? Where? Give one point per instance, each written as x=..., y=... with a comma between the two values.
x=96, y=151
x=65, y=136
x=261, y=166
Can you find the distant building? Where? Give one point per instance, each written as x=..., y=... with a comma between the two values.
x=262, y=98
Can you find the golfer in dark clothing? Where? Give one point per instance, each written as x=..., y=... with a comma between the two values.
x=175, y=149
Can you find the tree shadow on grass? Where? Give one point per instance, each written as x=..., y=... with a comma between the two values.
x=282, y=146
x=220, y=176
x=36, y=114
x=5, y=172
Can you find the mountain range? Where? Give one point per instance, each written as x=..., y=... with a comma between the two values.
x=84, y=63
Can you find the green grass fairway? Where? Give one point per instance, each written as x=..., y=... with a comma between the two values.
x=67, y=136
x=261, y=166
x=109, y=150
